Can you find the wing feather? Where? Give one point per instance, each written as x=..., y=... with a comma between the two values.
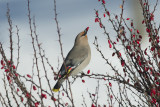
x=74, y=58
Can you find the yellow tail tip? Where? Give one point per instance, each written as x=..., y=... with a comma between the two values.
x=55, y=90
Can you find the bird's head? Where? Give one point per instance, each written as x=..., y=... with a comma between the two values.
x=82, y=37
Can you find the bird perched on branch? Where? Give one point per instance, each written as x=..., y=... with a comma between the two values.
x=77, y=59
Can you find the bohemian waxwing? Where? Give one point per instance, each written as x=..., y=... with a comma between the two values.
x=77, y=59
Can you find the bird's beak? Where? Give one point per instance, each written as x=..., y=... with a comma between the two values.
x=85, y=31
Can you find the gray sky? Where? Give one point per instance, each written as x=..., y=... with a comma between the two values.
x=74, y=17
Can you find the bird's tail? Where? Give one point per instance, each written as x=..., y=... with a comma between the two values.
x=58, y=85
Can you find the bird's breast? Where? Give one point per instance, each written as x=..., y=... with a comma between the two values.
x=82, y=65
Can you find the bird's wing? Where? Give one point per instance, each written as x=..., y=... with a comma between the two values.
x=74, y=58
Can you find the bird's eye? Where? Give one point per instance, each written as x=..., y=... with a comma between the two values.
x=84, y=34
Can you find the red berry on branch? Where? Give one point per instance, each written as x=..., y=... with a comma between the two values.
x=104, y=15
x=29, y=76
x=17, y=89
x=44, y=96
x=103, y=1
x=108, y=13
x=2, y=62
x=122, y=63
x=93, y=105
x=127, y=18
x=28, y=95
x=96, y=20
x=34, y=88
x=88, y=71
x=83, y=81
x=97, y=13
x=21, y=99
x=110, y=84
x=14, y=67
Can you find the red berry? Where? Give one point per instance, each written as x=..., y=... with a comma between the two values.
x=96, y=20
x=110, y=84
x=103, y=1
x=122, y=63
x=44, y=96
x=83, y=81
x=2, y=62
x=104, y=15
x=34, y=88
x=127, y=18
x=17, y=89
x=29, y=76
x=88, y=71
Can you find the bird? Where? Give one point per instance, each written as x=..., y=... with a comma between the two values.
x=76, y=60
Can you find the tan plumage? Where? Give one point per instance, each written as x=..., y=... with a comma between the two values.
x=77, y=59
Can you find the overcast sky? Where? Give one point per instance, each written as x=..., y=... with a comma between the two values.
x=73, y=15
